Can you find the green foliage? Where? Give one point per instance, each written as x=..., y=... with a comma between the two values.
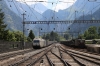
x=91, y=33
x=9, y=35
x=14, y=36
x=29, y=39
x=31, y=35
x=53, y=36
x=47, y=36
x=66, y=36
x=92, y=30
x=99, y=31
x=3, y=32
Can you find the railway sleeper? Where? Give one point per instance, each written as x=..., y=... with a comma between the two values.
x=23, y=60
x=81, y=64
x=60, y=52
x=84, y=55
x=32, y=63
x=90, y=60
x=65, y=63
x=50, y=62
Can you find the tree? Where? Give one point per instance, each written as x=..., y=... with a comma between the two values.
x=91, y=33
x=31, y=35
x=92, y=30
x=52, y=36
x=11, y=36
x=47, y=36
x=2, y=26
x=66, y=36
x=99, y=31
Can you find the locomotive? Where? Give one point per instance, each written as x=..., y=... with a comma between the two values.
x=40, y=43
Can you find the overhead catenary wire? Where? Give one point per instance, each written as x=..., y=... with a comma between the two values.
x=92, y=9
x=51, y=13
x=70, y=11
x=29, y=14
x=80, y=9
x=15, y=7
x=21, y=6
x=38, y=12
x=42, y=16
x=89, y=10
x=32, y=11
x=55, y=9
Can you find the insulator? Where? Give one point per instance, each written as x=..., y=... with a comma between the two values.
x=10, y=5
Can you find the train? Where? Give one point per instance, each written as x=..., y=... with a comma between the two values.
x=41, y=43
x=76, y=43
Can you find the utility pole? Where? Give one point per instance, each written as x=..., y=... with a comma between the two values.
x=91, y=15
x=83, y=15
x=93, y=7
x=39, y=32
x=79, y=23
x=23, y=44
x=75, y=14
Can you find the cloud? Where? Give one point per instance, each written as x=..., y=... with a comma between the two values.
x=63, y=4
x=30, y=2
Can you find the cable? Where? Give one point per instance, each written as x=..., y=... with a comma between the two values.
x=50, y=13
x=14, y=5
x=36, y=11
x=70, y=11
x=17, y=8
x=31, y=11
x=55, y=9
x=92, y=9
x=21, y=6
x=80, y=10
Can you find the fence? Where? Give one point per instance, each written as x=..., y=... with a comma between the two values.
x=6, y=46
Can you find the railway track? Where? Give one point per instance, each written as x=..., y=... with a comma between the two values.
x=81, y=50
x=55, y=59
x=84, y=58
x=9, y=55
x=56, y=55
x=32, y=59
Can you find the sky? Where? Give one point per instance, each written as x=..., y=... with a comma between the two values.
x=53, y=4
